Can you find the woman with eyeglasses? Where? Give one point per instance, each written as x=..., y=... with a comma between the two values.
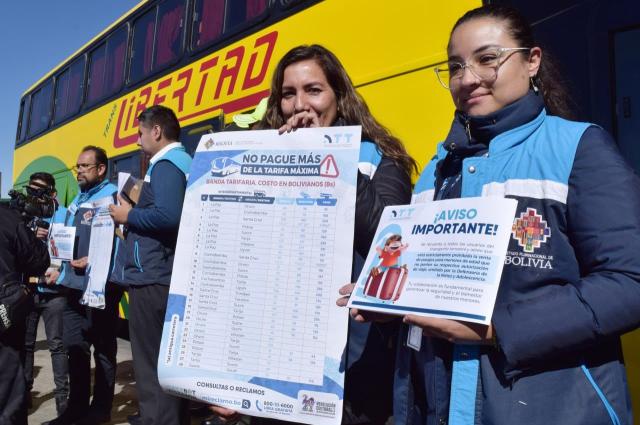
x=571, y=282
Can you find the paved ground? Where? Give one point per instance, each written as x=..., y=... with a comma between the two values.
x=44, y=407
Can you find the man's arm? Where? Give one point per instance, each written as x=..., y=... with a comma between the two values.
x=32, y=256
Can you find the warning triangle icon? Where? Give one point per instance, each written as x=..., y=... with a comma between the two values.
x=328, y=167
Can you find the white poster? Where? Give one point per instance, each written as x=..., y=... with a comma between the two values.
x=265, y=241
x=441, y=259
x=61, y=241
x=100, y=247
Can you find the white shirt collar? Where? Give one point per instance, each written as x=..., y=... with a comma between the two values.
x=164, y=150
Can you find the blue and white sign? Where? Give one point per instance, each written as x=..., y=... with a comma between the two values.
x=265, y=243
x=441, y=259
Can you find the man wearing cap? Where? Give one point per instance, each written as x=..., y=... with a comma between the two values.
x=49, y=302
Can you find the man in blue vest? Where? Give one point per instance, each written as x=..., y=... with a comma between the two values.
x=85, y=326
x=145, y=260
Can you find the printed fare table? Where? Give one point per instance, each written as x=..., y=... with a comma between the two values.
x=278, y=324
x=265, y=243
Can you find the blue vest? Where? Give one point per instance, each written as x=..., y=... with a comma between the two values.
x=144, y=258
x=79, y=215
x=531, y=163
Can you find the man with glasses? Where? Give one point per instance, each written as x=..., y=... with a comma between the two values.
x=86, y=326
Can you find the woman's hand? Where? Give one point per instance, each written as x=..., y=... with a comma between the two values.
x=301, y=119
x=359, y=315
x=226, y=416
x=454, y=331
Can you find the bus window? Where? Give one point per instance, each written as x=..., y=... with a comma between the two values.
x=69, y=86
x=190, y=136
x=155, y=46
x=169, y=37
x=96, y=73
x=128, y=163
x=290, y=3
x=116, y=53
x=241, y=11
x=208, y=19
x=106, y=69
x=141, y=53
x=24, y=114
x=40, y=109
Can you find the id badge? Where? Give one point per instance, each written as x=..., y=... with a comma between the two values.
x=73, y=209
x=414, y=337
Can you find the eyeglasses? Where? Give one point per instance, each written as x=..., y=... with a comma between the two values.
x=484, y=65
x=83, y=167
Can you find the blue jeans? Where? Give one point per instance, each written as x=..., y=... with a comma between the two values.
x=50, y=307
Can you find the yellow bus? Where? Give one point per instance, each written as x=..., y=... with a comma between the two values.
x=211, y=59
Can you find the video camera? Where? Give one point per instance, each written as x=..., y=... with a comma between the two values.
x=34, y=206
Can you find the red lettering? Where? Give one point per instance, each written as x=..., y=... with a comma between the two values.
x=203, y=67
x=230, y=72
x=270, y=40
x=126, y=127
x=161, y=85
x=179, y=94
x=142, y=105
x=122, y=141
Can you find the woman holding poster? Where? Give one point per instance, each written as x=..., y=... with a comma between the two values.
x=571, y=280
x=310, y=88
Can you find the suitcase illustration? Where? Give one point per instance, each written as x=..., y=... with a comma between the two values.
x=386, y=285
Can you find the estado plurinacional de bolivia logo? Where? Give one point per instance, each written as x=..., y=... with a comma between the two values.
x=530, y=230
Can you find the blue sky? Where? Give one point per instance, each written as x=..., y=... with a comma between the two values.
x=35, y=36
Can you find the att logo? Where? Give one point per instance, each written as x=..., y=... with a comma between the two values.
x=403, y=213
x=337, y=138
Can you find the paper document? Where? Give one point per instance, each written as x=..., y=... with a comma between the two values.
x=100, y=248
x=61, y=241
x=265, y=242
x=441, y=259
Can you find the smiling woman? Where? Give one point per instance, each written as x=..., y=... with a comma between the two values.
x=571, y=281
x=310, y=88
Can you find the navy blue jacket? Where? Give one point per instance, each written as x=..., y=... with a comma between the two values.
x=146, y=255
x=570, y=285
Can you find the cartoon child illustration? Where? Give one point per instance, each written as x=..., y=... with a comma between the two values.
x=54, y=249
x=386, y=280
x=390, y=253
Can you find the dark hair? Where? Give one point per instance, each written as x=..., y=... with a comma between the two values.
x=44, y=177
x=100, y=154
x=164, y=117
x=556, y=97
x=393, y=238
x=351, y=107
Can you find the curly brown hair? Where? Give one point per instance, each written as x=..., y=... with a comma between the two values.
x=352, y=109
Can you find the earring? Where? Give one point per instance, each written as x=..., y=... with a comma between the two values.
x=535, y=88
